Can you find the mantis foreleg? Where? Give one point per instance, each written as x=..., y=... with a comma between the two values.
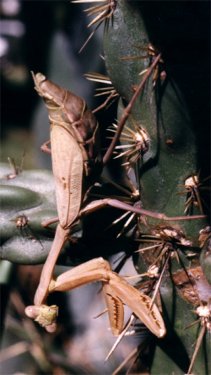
x=94, y=270
x=117, y=292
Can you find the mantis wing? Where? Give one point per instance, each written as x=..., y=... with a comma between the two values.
x=67, y=164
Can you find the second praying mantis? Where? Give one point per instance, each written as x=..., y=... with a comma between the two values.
x=75, y=156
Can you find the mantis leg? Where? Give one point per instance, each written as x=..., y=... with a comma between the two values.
x=101, y=203
x=46, y=223
x=94, y=270
x=45, y=147
x=117, y=292
x=48, y=268
x=139, y=303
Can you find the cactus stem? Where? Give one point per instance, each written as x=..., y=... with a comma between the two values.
x=128, y=109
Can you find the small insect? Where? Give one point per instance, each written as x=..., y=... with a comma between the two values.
x=22, y=223
x=193, y=189
x=107, y=90
x=102, y=11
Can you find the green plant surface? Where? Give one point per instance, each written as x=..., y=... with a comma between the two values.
x=165, y=111
x=162, y=112
x=28, y=196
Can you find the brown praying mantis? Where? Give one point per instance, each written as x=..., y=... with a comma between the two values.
x=73, y=143
x=75, y=158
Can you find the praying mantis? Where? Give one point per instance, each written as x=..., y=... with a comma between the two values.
x=73, y=139
x=75, y=159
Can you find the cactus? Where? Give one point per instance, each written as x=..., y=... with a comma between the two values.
x=26, y=200
x=162, y=152
x=165, y=173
